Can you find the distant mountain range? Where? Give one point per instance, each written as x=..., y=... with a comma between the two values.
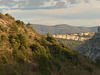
x=62, y=28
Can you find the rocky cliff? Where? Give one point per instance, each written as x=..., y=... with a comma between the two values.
x=91, y=47
x=78, y=36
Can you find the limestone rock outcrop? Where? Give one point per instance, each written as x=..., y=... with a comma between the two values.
x=78, y=36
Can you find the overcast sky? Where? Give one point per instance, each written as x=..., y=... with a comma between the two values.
x=52, y=12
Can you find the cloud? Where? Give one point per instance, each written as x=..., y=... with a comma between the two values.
x=60, y=5
x=73, y=1
x=37, y=4
x=76, y=15
x=74, y=12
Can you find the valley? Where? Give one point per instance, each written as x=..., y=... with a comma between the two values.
x=23, y=51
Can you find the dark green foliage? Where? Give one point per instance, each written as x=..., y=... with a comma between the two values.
x=20, y=23
x=25, y=31
x=4, y=37
x=14, y=28
x=42, y=58
x=30, y=27
x=18, y=56
x=51, y=39
x=28, y=24
x=19, y=40
x=4, y=59
x=48, y=35
x=90, y=69
x=64, y=46
x=58, y=65
x=98, y=63
x=44, y=65
x=64, y=53
x=14, y=73
x=2, y=28
x=15, y=53
x=9, y=16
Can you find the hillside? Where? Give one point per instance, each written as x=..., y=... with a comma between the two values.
x=72, y=40
x=72, y=44
x=91, y=47
x=25, y=52
x=62, y=28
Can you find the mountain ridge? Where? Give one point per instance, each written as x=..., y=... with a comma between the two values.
x=62, y=28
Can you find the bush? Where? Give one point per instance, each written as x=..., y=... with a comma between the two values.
x=19, y=40
x=9, y=16
x=30, y=27
x=18, y=56
x=4, y=37
x=14, y=28
x=4, y=59
x=42, y=58
x=14, y=73
x=2, y=28
x=20, y=23
x=51, y=39
x=90, y=69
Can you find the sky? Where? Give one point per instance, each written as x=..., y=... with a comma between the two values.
x=53, y=12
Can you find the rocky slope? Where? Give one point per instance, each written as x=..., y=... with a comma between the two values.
x=77, y=37
x=91, y=47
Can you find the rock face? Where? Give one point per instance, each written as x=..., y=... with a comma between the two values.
x=78, y=36
x=91, y=47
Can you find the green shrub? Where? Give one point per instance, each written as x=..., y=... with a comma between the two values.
x=98, y=63
x=30, y=27
x=4, y=59
x=14, y=28
x=20, y=23
x=51, y=39
x=9, y=16
x=42, y=58
x=4, y=37
x=14, y=73
x=2, y=28
x=18, y=56
x=25, y=31
x=30, y=36
x=90, y=69
x=15, y=53
x=19, y=40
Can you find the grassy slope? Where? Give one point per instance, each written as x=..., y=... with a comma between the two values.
x=25, y=52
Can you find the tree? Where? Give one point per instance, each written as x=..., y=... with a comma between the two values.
x=29, y=23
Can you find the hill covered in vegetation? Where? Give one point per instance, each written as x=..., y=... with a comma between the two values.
x=62, y=28
x=72, y=44
x=25, y=52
